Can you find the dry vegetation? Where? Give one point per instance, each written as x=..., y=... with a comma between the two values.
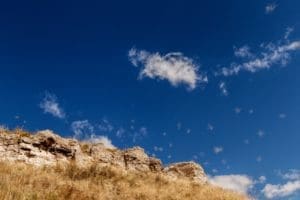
x=21, y=181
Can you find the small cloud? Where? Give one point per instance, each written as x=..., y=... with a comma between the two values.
x=288, y=32
x=96, y=139
x=243, y=52
x=246, y=141
x=262, y=179
x=158, y=149
x=210, y=127
x=188, y=131
x=223, y=88
x=50, y=105
x=178, y=125
x=251, y=111
x=218, y=150
x=236, y=182
x=173, y=67
x=292, y=174
x=282, y=116
x=261, y=133
x=237, y=110
x=258, y=159
x=120, y=132
x=82, y=129
x=142, y=132
x=223, y=161
x=105, y=126
x=270, y=8
x=164, y=133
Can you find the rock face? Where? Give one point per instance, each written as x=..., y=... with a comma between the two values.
x=189, y=170
x=47, y=148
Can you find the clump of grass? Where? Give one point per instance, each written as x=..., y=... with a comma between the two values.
x=21, y=132
x=20, y=182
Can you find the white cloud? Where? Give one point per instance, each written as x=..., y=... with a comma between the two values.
x=223, y=88
x=271, y=54
x=237, y=110
x=281, y=190
x=156, y=148
x=178, y=125
x=235, y=182
x=282, y=116
x=292, y=174
x=174, y=67
x=258, y=159
x=270, y=8
x=120, y=132
x=261, y=133
x=105, y=126
x=96, y=139
x=262, y=179
x=218, y=150
x=243, y=52
x=288, y=32
x=210, y=127
x=82, y=129
x=50, y=105
x=142, y=132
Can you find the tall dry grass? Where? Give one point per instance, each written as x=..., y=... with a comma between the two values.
x=24, y=182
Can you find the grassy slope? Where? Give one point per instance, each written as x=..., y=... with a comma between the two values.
x=20, y=181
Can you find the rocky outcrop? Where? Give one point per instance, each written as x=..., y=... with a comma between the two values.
x=47, y=148
x=189, y=170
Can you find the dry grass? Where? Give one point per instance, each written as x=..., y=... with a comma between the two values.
x=25, y=182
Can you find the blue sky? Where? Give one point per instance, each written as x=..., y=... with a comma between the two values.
x=211, y=81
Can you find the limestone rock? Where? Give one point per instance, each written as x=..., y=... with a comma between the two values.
x=48, y=148
x=189, y=170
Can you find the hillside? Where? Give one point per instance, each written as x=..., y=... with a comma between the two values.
x=45, y=166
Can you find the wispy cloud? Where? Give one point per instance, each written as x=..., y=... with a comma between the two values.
x=282, y=116
x=278, y=53
x=50, y=105
x=223, y=88
x=261, y=133
x=140, y=133
x=243, y=52
x=236, y=182
x=173, y=67
x=218, y=150
x=270, y=8
x=84, y=130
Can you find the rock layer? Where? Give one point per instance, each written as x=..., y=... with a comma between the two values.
x=47, y=148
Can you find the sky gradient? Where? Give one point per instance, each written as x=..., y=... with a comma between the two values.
x=216, y=82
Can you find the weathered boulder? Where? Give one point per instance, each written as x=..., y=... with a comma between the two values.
x=136, y=159
x=189, y=170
